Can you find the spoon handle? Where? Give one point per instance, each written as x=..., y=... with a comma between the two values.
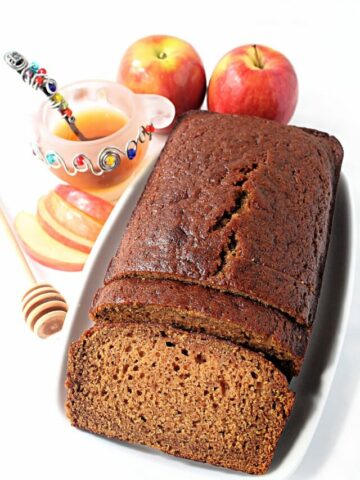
x=38, y=79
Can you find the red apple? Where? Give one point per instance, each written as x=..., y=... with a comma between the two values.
x=71, y=218
x=60, y=233
x=43, y=248
x=166, y=66
x=254, y=80
x=95, y=207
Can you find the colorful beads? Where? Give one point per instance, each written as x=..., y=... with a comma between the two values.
x=131, y=153
x=79, y=161
x=51, y=158
x=110, y=160
x=51, y=86
x=40, y=80
x=150, y=128
x=57, y=98
x=34, y=67
x=58, y=101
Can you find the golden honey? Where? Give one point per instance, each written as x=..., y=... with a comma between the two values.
x=96, y=123
x=93, y=123
x=117, y=118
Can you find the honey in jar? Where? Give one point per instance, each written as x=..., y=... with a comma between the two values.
x=93, y=123
x=117, y=118
x=98, y=124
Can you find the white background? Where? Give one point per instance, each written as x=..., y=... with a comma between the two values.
x=85, y=40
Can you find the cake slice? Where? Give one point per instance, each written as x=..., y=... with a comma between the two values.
x=187, y=394
x=195, y=308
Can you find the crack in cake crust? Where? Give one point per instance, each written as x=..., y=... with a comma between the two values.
x=239, y=201
x=190, y=211
x=228, y=215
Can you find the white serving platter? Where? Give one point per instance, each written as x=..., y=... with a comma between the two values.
x=312, y=386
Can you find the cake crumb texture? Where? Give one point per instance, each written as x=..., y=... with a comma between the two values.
x=187, y=394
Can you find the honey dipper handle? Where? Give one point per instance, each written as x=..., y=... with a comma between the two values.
x=4, y=222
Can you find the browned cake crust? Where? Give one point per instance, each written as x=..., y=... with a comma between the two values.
x=238, y=204
x=187, y=394
x=230, y=239
x=196, y=308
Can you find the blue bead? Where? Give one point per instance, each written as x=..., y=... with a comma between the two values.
x=131, y=153
x=51, y=86
x=51, y=158
x=34, y=66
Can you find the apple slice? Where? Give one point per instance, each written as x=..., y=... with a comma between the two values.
x=95, y=207
x=43, y=248
x=60, y=233
x=71, y=218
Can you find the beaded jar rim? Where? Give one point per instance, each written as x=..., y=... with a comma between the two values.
x=107, y=160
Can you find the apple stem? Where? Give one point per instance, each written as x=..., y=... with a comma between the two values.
x=258, y=61
x=162, y=55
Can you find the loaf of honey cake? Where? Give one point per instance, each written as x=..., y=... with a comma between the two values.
x=230, y=235
x=208, y=305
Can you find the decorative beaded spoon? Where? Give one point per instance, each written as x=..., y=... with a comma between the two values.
x=37, y=78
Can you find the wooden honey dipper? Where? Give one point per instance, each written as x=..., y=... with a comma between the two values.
x=44, y=308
